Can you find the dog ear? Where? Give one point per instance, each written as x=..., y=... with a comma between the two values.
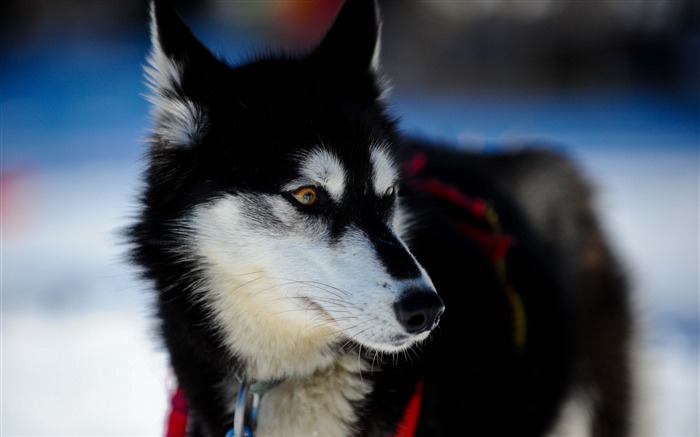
x=352, y=43
x=180, y=71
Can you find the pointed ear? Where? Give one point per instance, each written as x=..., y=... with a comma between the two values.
x=178, y=72
x=353, y=41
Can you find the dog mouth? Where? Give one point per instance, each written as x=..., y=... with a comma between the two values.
x=385, y=342
x=393, y=344
x=400, y=340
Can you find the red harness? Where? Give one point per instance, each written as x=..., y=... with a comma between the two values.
x=489, y=237
x=409, y=421
x=176, y=425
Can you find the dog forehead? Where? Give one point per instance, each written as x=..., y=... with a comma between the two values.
x=336, y=171
x=384, y=169
x=324, y=167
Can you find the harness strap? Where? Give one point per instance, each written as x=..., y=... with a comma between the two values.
x=409, y=421
x=493, y=241
x=177, y=418
x=176, y=425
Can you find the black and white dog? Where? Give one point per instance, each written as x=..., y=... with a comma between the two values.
x=302, y=253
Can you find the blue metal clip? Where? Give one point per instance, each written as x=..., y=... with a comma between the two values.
x=240, y=429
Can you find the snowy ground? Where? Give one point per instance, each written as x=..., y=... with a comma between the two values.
x=78, y=357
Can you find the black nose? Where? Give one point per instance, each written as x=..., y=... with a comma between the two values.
x=419, y=310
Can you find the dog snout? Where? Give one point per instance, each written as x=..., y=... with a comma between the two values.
x=419, y=310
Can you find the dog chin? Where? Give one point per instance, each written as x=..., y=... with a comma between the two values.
x=394, y=344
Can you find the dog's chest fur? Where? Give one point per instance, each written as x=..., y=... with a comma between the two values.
x=323, y=404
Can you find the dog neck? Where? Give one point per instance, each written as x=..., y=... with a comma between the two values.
x=324, y=403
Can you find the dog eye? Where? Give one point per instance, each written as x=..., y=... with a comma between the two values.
x=306, y=196
x=390, y=191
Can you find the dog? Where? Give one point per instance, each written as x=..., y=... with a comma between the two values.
x=318, y=273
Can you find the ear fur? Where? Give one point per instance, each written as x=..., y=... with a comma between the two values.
x=181, y=71
x=177, y=64
x=353, y=41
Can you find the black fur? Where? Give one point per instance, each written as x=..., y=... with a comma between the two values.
x=578, y=319
x=477, y=381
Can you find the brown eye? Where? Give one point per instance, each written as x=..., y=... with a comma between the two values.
x=306, y=196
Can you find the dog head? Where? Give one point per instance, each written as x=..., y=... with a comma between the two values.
x=272, y=195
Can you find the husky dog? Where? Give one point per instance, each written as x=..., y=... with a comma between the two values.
x=302, y=252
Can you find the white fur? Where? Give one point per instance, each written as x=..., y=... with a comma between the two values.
x=285, y=298
x=316, y=406
x=321, y=167
x=574, y=418
x=375, y=64
x=386, y=175
x=385, y=172
x=402, y=222
x=178, y=121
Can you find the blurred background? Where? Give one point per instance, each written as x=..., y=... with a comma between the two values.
x=614, y=84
